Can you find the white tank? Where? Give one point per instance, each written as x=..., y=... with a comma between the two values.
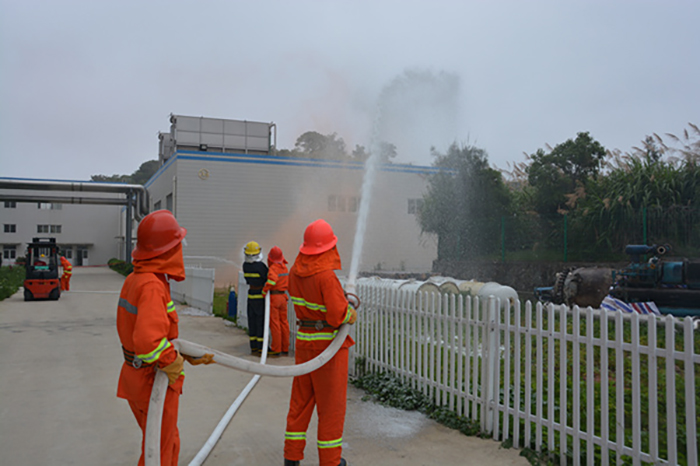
x=505, y=293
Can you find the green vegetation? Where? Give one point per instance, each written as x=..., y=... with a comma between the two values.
x=461, y=201
x=386, y=389
x=120, y=266
x=11, y=278
x=140, y=176
x=575, y=201
x=220, y=308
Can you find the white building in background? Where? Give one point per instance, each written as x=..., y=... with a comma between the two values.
x=222, y=182
x=86, y=234
x=227, y=189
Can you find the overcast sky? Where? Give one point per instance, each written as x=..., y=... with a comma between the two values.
x=85, y=86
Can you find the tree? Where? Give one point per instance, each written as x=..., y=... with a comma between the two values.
x=140, y=176
x=464, y=203
x=555, y=174
x=317, y=146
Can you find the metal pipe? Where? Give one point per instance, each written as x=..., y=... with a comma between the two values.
x=63, y=199
x=80, y=186
x=128, y=231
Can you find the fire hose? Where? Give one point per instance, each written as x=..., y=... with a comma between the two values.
x=160, y=385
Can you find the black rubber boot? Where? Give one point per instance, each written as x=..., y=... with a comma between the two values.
x=290, y=462
x=342, y=462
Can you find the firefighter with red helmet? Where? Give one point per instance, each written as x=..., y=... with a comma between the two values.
x=321, y=306
x=276, y=285
x=147, y=322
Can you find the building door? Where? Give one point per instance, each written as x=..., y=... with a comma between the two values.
x=82, y=256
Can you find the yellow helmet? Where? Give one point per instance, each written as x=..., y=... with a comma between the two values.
x=252, y=248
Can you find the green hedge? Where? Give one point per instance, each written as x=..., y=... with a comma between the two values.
x=11, y=278
x=120, y=266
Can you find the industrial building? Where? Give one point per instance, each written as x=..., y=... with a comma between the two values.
x=86, y=234
x=224, y=184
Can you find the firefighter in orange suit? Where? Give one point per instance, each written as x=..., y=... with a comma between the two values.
x=276, y=285
x=147, y=322
x=321, y=307
x=67, y=272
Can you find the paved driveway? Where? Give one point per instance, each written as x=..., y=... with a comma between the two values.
x=58, y=375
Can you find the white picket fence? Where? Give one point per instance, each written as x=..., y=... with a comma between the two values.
x=197, y=289
x=587, y=386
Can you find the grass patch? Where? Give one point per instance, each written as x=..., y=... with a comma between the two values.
x=11, y=278
x=220, y=305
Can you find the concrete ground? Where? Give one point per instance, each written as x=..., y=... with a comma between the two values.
x=58, y=375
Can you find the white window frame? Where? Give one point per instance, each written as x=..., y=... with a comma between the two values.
x=9, y=252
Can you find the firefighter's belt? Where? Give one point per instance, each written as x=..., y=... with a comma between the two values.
x=254, y=289
x=317, y=324
x=132, y=360
x=276, y=292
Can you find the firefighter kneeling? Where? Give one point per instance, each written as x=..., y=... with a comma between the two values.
x=147, y=322
x=321, y=307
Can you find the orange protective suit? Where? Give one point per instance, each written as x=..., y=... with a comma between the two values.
x=276, y=285
x=317, y=295
x=146, y=322
x=67, y=272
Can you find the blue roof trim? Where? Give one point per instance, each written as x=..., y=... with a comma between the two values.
x=288, y=161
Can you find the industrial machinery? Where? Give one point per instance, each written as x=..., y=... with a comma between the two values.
x=673, y=285
x=41, y=280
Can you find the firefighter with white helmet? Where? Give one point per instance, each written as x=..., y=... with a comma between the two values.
x=255, y=274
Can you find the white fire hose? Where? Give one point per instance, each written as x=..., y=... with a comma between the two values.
x=160, y=386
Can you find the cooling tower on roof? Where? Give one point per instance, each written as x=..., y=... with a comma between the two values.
x=216, y=135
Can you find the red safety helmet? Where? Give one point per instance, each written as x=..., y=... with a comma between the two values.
x=318, y=238
x=276, y=255
x=158, y=232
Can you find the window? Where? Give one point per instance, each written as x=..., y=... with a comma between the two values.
x=343, y=203
x=55, y=228
x=68, y=253
x=10, y=205
x=9, y=252
x=84, y=251
x=169, y=202
x=42, y=228
x=10, y=228
x=156, y=206
x=49, y=206
x=414, y=205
